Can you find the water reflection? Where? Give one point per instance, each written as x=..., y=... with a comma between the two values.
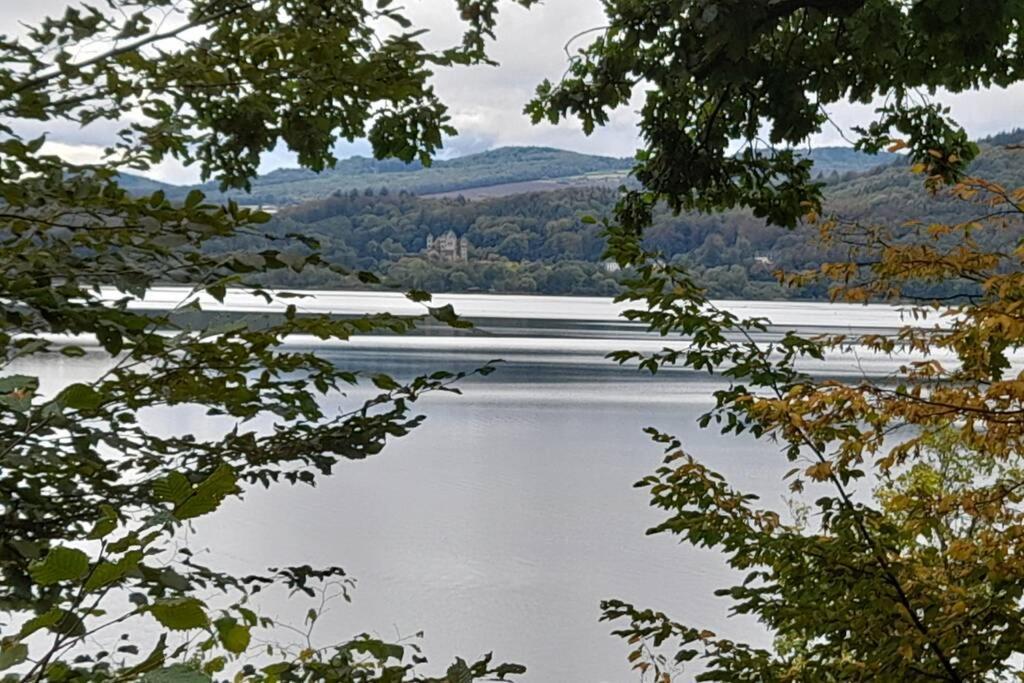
x=502, y=522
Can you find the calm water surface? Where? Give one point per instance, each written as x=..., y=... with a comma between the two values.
x=504, y=520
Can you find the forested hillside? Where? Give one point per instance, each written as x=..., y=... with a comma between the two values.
x=495, y=167
x=498, y=172
x=539, y=242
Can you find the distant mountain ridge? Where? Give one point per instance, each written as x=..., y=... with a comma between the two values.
x=842, y=160
x=498, y=172
x=494, y=167
x=136, y=184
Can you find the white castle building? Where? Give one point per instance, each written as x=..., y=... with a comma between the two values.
x=448, y=247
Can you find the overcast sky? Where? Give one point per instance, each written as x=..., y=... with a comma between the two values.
x=486, y=102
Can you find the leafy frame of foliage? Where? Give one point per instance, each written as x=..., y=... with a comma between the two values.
x=763, y=72
x=90, y=497
x=919, y=579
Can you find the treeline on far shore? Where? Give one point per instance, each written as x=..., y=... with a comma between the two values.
x=543, y=243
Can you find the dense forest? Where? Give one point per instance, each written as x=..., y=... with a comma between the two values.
x=541, y=242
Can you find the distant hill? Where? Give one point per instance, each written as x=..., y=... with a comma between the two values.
x=844, y=160
x=136, y=184
x=496, y=167
x=892, y=193
x=496, y=173
x=538, y=241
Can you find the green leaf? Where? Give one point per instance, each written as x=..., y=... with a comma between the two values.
x=69, y=624
x=80, y=397
x=446, y=314
x=30, y=550
x=459, y=673
x=276, y=669
x=102, y=529
x=108, y=572
x=56, y=620
x=235, y=638
x=180, y=614
x=60, y=564
x=218, y=291
x=215, y=665
x=45, y=620
x=152, y=660
x=174, y=488
x=385, y=382
x=193, y=199
x=207, y=496
x=172, y=579
x=503, y=670
x=13, y=655
x=18, y=383
x=16, y=391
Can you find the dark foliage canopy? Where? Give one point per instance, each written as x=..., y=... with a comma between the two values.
x=96, y=580
x=763, y=72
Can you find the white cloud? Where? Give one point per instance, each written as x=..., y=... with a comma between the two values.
x=72, y=153
x=981, y=113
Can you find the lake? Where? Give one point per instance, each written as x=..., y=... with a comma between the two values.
x=502, y=522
